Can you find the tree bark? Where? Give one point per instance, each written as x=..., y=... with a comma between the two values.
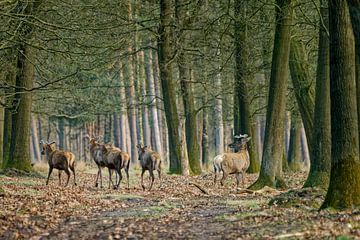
x=156, y=135
x=271, y=171
x=124, y=136
x=131, y=96
x=294, y=154
x=35, y=139
x=243, y=116
x=20, y=131
x=168, y=86
x=320, y=162
x=344, y=187
x=354, y=8
x=303, y=88
x=145, y=108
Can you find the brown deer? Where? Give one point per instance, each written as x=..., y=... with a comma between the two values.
x=115, y=159
x=58, y=159
x=97, y=154
x=233, y=163
x=149, y=160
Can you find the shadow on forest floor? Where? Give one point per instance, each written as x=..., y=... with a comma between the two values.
x=174, y=209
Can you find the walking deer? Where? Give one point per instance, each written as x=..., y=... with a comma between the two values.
x=149, y=160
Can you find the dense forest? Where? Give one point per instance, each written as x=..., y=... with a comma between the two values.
x=186, y=78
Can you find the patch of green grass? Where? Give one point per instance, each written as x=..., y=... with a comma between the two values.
x=114, y=196
x=23, y=182
x=343, y=237
x=251, y=203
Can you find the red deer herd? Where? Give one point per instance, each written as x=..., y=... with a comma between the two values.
x=114, y=159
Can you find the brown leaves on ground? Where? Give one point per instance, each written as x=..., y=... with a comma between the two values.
x=179, y=207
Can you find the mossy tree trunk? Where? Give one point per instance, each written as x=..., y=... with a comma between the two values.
x=20, y=132
x=191, y=129
x=242, y=114
x=294, y=155
x=320, y=155
x=271, y=167
x=344, y=187
x=303, y=88
x=168, y=85
x=354, y=7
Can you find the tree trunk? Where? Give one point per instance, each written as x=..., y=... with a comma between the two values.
x=145, y=108
x=205, y=137
x=344, y=187
x=168, y=85
x=116, y=128
x=304, y=90
x=270, y=172
x=354, y=8
x=320, y=163
x=294, y=155
x=123, y=112
x=2, y=118
x=243, y=116
x=156, y=135
x=35, y=139
x=131, y=96
x=218, y=117
x=20, y=131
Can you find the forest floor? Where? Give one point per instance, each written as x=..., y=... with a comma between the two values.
x=176, y=209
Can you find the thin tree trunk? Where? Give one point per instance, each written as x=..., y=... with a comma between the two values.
x=319, y=174
x=116, y=129
x=218, y=118
x=344, y=187
x=294, y=154
x=168, y=86
x=243, y=116
x=205, y=137
x=2, y=118
x=123, y=112
x=156, y=135
x=145, y=108
x=271, y=171
x=131, y=96
x=35, y=139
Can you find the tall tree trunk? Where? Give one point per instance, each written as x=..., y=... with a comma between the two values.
x=123, y=112
x=354, y=8
x=344, y=187
x=205, y=137
x=218, y=116
x=168, y=85
x=131, y=96
x=61, y=130
x=243, y=116
x=116, y=128
x=304, y=90
x=156, y=134
x=294, y=154
x=20, y=131
x=271, y=172
x=2, y=118
x=35, y=139
x=320, y=155
x=145, y=108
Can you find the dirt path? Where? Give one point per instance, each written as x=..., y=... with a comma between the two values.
x=174, y=210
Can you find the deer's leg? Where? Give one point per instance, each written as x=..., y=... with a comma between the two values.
x=242, y=176
x=223, y=178
x=73, y=170
x=152, y=178
x=120, y=178
x=110, y=180
x=127, y=176
x=97, y=177
x=237, y=175
x=142, y=179
x=67, y=171
x=59, y=172
x=50, y=171
x=100, y=175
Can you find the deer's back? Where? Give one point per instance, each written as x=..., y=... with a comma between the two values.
x=235, y=162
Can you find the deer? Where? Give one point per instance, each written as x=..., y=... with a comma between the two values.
x=116, y=159
x=233, y=163
x=97, y=154
x=58, y=159
x=149, y=160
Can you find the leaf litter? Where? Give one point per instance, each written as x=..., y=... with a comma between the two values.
x=178, y=208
